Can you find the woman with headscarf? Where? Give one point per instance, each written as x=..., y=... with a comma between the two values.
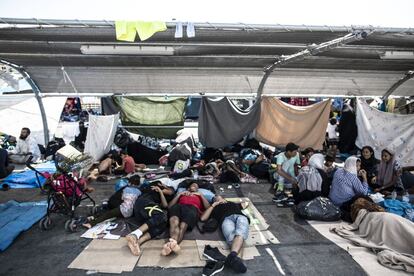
x=346, y=184
x=389, y=172
x=312, y=180
x=370, y=164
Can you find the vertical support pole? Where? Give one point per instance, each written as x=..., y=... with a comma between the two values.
x=37, y=92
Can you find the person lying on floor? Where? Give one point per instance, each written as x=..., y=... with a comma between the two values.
x=5, y=168
x=389, y=174
x=235, y=228
x=26, y=146
x=370, y=164
x=286, y=170
x=184, y=211
x=106, y=165
x=150, y=214
x=120, y=204
x=230, y=172
x=346, y=186
x=312, y=180
x=256, y=164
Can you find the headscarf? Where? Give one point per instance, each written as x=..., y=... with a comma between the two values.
x=309, y=178
x=350, y=165
x=317, y=161
x=368, y=164
x=386, y=169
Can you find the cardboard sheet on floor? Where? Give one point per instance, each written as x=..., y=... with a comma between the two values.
x=248, y=252
x=257, y=221
x=151, y=255
x=106, y=256
x=364, y=257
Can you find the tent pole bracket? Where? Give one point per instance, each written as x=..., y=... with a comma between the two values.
x=357, y=34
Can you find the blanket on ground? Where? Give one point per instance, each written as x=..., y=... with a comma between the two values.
x=388, y=235
x=17, y=217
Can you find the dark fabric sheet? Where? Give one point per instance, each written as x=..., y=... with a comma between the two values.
x=143, y=154
x=222, y=124
x=109, y=107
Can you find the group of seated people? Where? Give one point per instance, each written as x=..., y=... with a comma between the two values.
x=164, y=205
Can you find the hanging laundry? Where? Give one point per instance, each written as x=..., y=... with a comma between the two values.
x=281, y=123
x=190, y=30
x=386, y=130
x=178, y=30
x=152, y=111
x=147, y=29
x=126, y=30
x=101, y=133
x=390, y=105
x=221, y=123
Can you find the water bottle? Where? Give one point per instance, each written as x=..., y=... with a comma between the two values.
x=394, y=195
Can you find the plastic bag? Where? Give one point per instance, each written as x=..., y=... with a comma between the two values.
x=320, y=208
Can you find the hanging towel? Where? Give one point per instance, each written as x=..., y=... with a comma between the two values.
x=126, y=30
x=281, y=123
x=101, y=133
x=147, y=29
x=386, y=130
x=178, y=30
x=190, y=30
x=221, y=123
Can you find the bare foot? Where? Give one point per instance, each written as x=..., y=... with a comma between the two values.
x=87, y=225
x=174, y=246
x=133, y=244
x=166, y=249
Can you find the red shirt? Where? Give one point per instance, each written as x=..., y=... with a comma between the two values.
x=194, y=200
x=129, y=164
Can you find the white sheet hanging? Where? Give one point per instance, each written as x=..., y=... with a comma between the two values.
x=27, y=114
x=386, y=130
x=101, y=133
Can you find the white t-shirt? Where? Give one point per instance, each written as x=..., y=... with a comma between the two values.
x=331, y=130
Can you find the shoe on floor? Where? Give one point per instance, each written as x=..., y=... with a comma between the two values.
x=212, y=268
x=235, y=263
x=213, y=254
x=279, y=196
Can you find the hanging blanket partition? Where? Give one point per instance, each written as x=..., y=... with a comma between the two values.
x=386, y=130
x=221, y=123
x=101, y=134
x=281, y=123
x=152, y=111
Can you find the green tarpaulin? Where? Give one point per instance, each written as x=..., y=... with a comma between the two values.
x=153, y=111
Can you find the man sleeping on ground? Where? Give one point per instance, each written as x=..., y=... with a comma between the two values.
x=184, y=212
x=235, y=228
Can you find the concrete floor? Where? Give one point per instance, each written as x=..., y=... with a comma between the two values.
x=302, y=250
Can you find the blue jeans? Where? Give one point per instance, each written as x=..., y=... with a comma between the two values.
x=235, y=225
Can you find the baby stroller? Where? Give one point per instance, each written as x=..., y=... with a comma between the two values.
x=65, y=191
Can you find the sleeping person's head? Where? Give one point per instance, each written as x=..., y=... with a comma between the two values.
x=135, y=180
x=193, y=187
